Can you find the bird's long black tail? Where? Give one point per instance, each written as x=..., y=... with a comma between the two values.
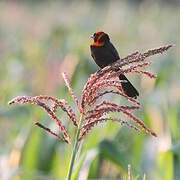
x=128, y=88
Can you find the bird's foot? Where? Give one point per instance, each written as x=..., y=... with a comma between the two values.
x=99, y=71
x=114, y=68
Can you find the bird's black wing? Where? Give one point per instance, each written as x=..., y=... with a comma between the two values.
x=113, y=51
x=102, y=56
x=127, y=87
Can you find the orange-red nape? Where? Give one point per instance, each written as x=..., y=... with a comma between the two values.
x=99, y=35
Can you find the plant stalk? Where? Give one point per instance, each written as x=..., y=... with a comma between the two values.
x=75, y=148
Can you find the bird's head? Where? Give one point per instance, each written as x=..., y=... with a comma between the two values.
x=100, y=38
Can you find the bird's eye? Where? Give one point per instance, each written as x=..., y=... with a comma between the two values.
x=94, y=34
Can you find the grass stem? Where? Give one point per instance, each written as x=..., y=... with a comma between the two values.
x=75, y=148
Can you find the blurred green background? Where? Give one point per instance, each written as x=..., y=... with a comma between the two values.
x=41, y=39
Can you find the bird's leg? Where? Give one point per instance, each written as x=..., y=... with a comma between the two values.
x=99, y=71
x=114, y=68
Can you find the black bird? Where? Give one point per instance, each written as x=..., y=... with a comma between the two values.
x=104, y=54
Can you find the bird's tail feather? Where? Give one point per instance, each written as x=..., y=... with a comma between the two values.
x=128, y=88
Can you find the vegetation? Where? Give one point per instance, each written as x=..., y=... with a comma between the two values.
x=41, y=40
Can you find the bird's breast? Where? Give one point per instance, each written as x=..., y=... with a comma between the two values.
x=102, y=56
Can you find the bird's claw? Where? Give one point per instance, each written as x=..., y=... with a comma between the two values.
x=114, y=68
x=99, y=71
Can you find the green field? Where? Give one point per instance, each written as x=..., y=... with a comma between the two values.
x=41, y=39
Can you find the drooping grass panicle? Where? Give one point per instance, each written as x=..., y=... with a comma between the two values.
x=135, y=67
x=111, y=107
x=120, y=93
x=90, y=125
x=48, y=130
x=67, y=82
x=139, y=57
x=35, y=100
x=122, y=122
x=149, y=74
x=62, y=104
x=87, y=88
x=92, y=94
x=106, y=107
x=139, y=122
x=106, y=104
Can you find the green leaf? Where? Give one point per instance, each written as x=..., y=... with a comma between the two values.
x=94, y=168
x=109, y=150
x=38, y=153
x=165, y=165
x=75, y=174
x=144, y=177
x=176, y=159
